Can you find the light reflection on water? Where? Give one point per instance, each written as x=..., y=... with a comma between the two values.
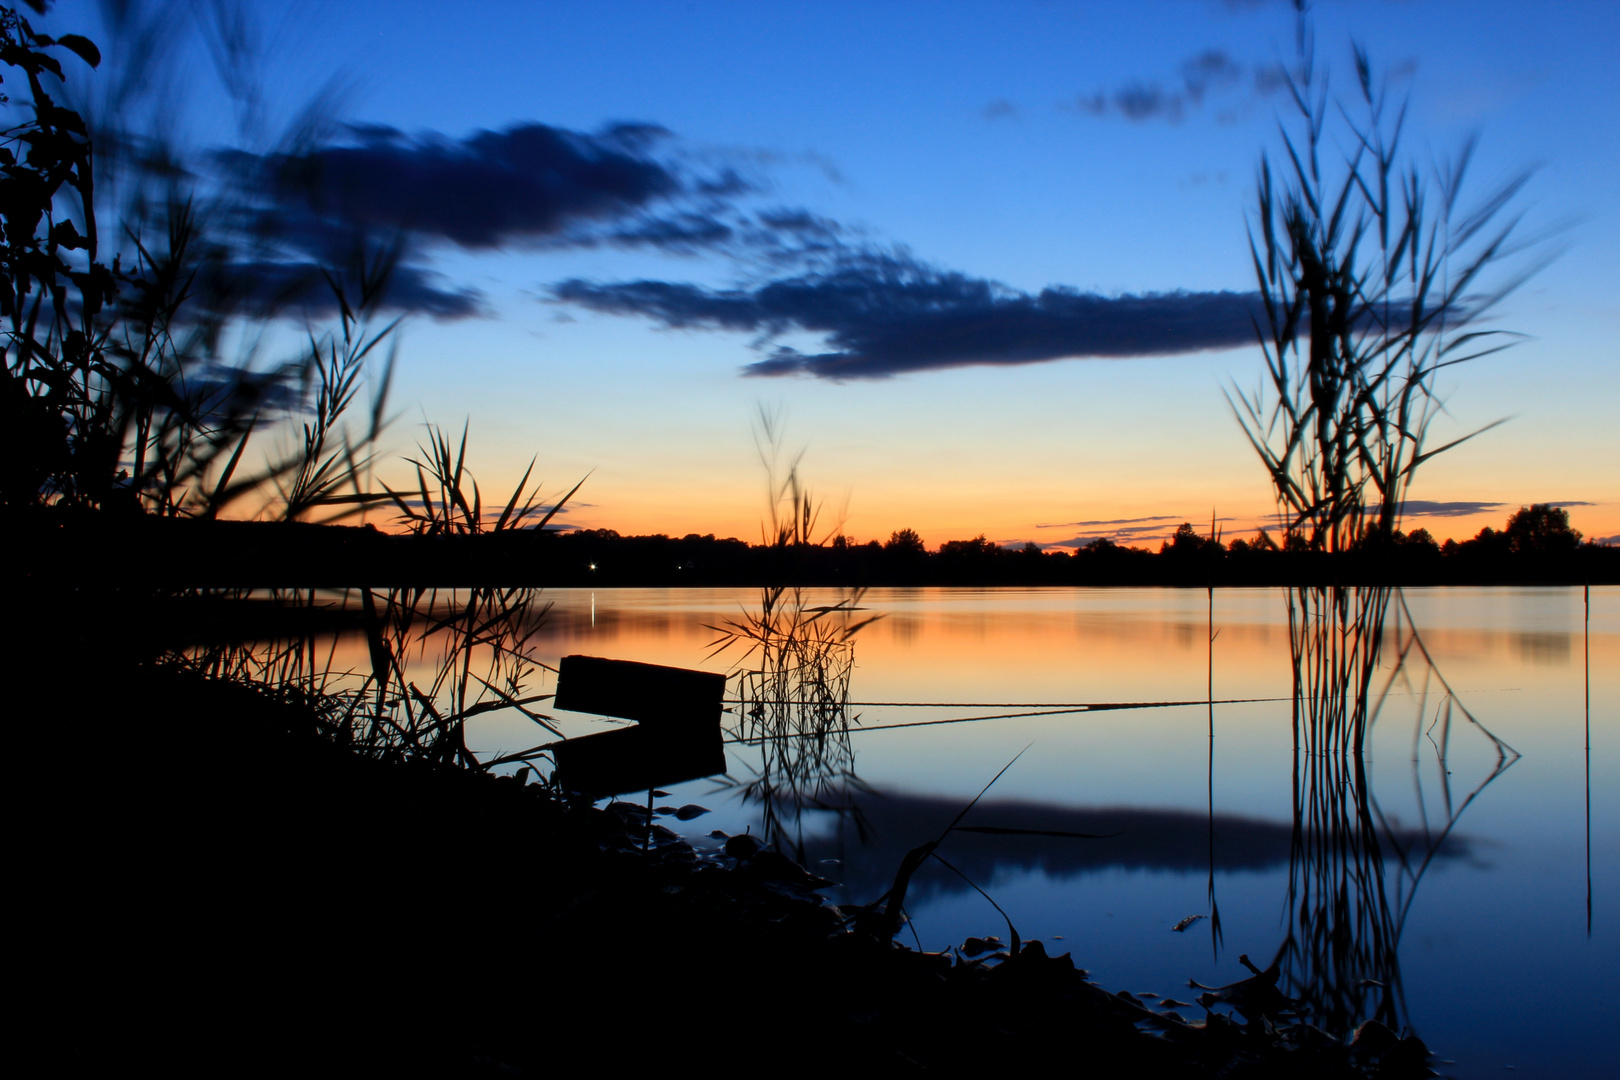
x=1492, y=954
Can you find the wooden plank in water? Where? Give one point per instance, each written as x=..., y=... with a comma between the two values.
x=662, y=697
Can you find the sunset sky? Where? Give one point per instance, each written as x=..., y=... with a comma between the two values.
x=634, y=224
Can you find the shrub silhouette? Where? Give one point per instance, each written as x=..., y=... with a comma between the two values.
x=905, y=542
x=1541, y=529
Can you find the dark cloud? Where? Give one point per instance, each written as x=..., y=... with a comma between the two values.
x=1210, y=74
x=412, y=288
x=627, y=185
x=219, y=392
x=677, y=234
x=1210, y=70
x=885, y=314
x=772, y=238
x=269, y=286
x=530, y=185
x=528, y=182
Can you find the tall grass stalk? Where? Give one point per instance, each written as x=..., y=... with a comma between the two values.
x=792, y=703
x=448, y=500
x=116, y=392
x=1374, y=277
x=794, y=659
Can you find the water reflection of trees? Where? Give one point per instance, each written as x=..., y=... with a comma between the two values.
x=1352, y=874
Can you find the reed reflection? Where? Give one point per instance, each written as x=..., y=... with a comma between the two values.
x=432, y=660
x=793, y=708
x=1215, y=935
x=1353, y=875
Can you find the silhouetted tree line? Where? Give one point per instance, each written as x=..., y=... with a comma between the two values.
x=1536, y=545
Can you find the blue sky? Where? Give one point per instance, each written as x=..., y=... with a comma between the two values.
x=1106, y=149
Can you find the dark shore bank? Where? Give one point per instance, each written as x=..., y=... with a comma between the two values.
x=214, y=886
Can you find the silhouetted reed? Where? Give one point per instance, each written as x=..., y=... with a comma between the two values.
x=443, y=505
x=1353, y=875
x=793, y=670
x=1373, y=276
x=792, y=704
x=120, y=393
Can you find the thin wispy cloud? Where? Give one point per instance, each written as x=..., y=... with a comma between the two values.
x=1466, y=508
x=1121, y=530
x=1110, y=521
x=1125, y=535
x=1460, y=508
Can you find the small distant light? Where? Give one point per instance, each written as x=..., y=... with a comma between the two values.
x=593, y=566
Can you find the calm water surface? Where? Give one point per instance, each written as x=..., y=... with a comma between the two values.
x=1495, y=828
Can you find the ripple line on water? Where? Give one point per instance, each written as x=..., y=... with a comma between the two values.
x=1041, y=710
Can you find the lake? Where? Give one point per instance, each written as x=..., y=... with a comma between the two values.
x=1457, y=875
x=1483, y=939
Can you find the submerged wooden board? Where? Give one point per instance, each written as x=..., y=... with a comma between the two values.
x=677, y=733
x=661, y=697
